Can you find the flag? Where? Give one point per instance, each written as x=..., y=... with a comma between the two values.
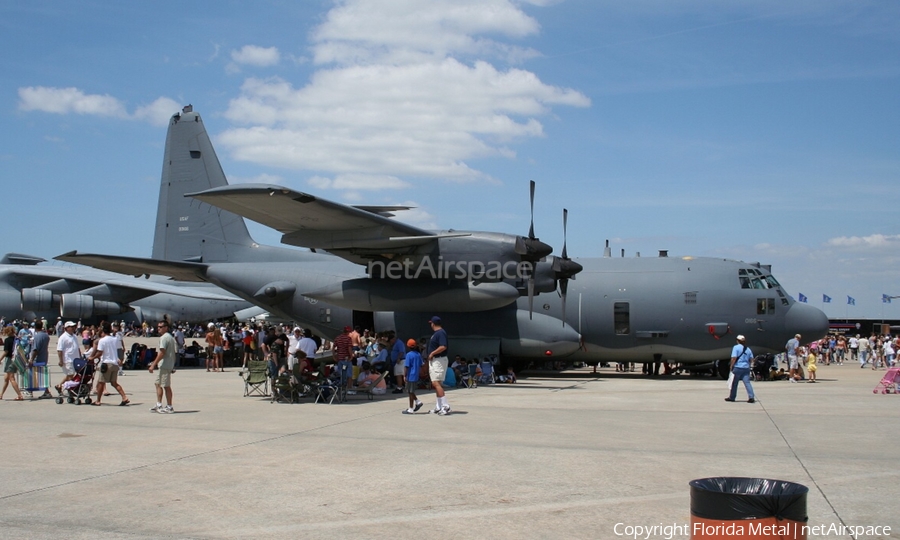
x=851, y=301
x=826, y=299
x=802, y=298
x=886, y=299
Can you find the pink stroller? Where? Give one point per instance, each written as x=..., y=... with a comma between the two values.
x=890, y=383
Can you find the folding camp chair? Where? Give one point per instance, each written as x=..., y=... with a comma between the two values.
x=469, y=380
x=326, y=391
x=487, y=373
x=256, y=379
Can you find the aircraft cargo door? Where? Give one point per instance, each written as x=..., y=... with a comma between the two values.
x=364, y=320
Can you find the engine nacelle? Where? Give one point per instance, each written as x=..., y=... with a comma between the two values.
x=546, y=338
x=37, y=300
x=81, y=306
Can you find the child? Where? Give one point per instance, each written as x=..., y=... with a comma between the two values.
x=412, y=364
x=811, y=365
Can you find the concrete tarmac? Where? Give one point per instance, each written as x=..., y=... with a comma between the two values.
x=575, y=455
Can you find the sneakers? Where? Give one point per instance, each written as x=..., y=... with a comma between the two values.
x=445, y=410
x=156, y=408
x=418, y=406
x=167, y=410
x=409, y=411
x=396, y=391
x=435, y=410
x=751, y=400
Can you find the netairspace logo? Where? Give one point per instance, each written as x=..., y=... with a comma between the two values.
x=468, y=270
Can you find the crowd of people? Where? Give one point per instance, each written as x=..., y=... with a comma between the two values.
x=358, y=359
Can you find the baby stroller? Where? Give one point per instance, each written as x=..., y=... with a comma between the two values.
x=80, y=386
x=889, y=383
x=762, y=367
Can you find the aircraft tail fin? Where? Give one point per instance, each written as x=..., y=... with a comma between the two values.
x=186, y=229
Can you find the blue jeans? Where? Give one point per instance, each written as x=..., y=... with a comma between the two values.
x=742, y=374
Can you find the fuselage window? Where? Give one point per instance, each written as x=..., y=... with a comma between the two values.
x=745, y=282
x=622, y=318
x=765, y=306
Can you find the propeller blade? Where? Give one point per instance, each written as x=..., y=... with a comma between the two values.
x=565, y=221
x=563, y=289
x=531, y=229
x=530, y=297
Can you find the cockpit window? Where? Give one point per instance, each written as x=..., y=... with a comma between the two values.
x=759, y=283
x=773, y=283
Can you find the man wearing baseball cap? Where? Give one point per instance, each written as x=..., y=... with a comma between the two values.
x=741, y=356
x=68, y=349
x=437, y=364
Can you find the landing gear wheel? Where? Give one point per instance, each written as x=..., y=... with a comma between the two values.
x=724, y=368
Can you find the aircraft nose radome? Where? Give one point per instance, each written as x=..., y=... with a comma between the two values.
x=811, y=323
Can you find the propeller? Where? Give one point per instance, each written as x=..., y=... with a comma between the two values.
x=531, y=250
x=565, y=268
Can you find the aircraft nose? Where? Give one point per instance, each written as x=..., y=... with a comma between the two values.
x=809, y=322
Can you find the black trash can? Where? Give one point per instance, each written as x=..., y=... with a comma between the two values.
x=747, y=508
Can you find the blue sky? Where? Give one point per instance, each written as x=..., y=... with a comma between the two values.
x=756, y=130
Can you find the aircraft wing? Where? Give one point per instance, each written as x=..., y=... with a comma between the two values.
x=108, y=284
x=136, y=266
x=357, y=234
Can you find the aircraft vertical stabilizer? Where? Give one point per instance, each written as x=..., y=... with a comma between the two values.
x=186, y=229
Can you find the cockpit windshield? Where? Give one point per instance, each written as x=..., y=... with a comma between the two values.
x=751, y=278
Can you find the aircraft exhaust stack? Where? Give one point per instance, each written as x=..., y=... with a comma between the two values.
x=607, y=253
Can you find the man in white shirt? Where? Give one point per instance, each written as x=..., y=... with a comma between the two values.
x=308, y=345
x=107, y=352
x=68, y=349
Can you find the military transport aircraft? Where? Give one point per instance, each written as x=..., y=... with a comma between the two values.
x=28, y=291
x=497, y=293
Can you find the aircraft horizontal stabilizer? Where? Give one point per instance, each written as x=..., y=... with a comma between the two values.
x=20, y=258
x=312, y=222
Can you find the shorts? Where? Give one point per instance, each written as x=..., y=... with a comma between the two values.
x=412, y=386
x=111, y=376
x=9, y=366
x=437, y=368
x=399, y=369
x=68, y=369
x=792, y=362
x=163, y=378
x=217, y=350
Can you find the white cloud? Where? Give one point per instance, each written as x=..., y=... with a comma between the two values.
x=69, y=100
x=74, y=101
x=874, y=241
x=261, y=178
x=254, y=55
x=358, y=182
x=397, y=102
x=157, y=113
x=403, y=31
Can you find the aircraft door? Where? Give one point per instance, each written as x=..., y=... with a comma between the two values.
x=365, y=320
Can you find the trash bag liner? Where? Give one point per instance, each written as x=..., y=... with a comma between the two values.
x=730, y=498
